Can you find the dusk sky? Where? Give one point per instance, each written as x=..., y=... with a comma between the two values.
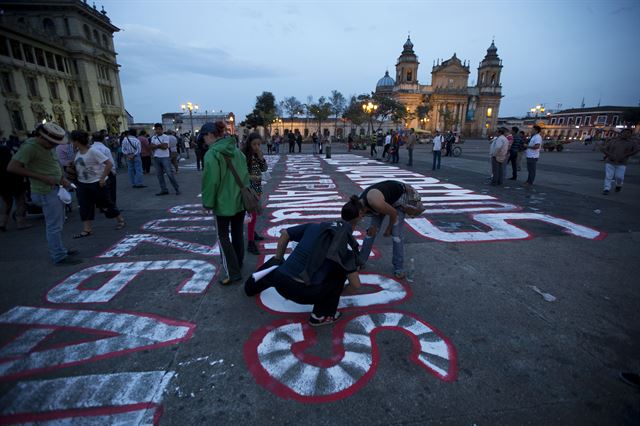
x=222, y=54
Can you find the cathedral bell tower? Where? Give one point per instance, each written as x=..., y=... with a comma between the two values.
x=490, y=68
x=407, y=66
x=490, y=90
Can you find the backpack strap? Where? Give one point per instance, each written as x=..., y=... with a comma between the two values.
x=233, y=171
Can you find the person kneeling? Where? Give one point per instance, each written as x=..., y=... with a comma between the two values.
x=316, y=270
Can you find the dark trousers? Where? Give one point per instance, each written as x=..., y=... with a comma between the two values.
x=232, y=249
x=437, y=156
x=324, y=297
x=292, y=147
x=199, y=159
x=373, y=150
x=513, y=159
x=385, y=150
x=532, y=163
x=91, y=195
x=497, y=169
x=299, y=146
x=448, y=147
x=146, y=164
x=410, y=151
x=112, y=183
x=395, y=155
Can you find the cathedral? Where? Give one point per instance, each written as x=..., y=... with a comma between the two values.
x=453, y=104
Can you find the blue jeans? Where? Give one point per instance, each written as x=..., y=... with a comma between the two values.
x=163, y=165
x=396, y=234
x=135, y=170
x=436, y=159
x=53, y=210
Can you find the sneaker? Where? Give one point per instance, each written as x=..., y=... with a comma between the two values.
x=68, y=261
x=163, y=193
x=632, y=379
x=618, y=188
x=605, y=192
x=315, y=321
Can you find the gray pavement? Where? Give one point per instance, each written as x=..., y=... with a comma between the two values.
x=144, y=334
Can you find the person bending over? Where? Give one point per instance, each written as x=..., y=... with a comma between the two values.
x=315, y=272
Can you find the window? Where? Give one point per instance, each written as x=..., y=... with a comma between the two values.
x=615, y=120
x=49, y=26
x=602, y=119
x=570, y=121
x=489, y=112
x=50, y=62
x=87, y=32
x=60, y=63
x=96, y=37
x=81, y=93
x=75, y=66
x=72, y=93
x=4, y=46
x=66, y=26
x=409, y=75
x=32, y=86
x=560, y=120
x=553, y=121
x=16, y=118
x=28, y=53
x=86, y=123
x=15, y=50
x=578, y=121
x=587, y=120
x=40, y=57
x=105, y=42
x=493, y=79
x=53, y=88
x=7, y=82
x=106, y=94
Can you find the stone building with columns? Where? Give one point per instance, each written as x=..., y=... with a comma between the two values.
x=453, y=104
x=58, y=62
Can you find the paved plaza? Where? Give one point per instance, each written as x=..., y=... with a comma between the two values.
x=522, y=309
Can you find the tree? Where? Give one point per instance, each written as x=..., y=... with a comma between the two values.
x=264, y=111
x=338, y=103
x=631, y=117
x=306, y=111
x=448, y=118
x=354, y=113
x=292, y=107
x=422, y=110
x=320, y=110
x=387, y=108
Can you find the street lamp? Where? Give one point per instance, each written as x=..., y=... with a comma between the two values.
x=538, y=109
x=190, y=107
x=370, y=108
x=231, y=118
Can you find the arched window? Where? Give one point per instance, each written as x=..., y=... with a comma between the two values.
x=409, y=75
x=49, y=26
x=105, y=42
x=493, y=79
x=96, y=37
x=482, y=78
x=87, y=32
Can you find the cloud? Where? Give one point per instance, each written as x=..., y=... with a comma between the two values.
x=145, y=51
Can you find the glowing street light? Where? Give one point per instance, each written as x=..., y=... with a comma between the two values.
x=538, y=109
x=190, y=107
x=370, y=108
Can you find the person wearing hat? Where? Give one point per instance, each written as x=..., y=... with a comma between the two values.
x=617, y=153
x=36, y=160
x=315, y=272
x=221, y=193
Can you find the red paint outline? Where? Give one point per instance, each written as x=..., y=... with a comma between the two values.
x=83, y=412
x=190, y=326
x=271, y=384
x=133, y=278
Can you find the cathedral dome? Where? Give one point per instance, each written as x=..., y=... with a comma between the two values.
x=386, y=81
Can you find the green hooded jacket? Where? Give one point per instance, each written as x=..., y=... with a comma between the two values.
x=220, y=192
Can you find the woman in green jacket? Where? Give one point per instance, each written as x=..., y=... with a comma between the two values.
x=221, y=193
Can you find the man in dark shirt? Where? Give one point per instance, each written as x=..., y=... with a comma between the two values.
x=315, y=272
x=516, y=147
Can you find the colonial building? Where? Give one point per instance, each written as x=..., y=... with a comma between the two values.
x=580, y=123
x=58, y=62
x=453, y=104
x=181, y=122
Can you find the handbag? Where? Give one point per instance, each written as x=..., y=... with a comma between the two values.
x=250, y=197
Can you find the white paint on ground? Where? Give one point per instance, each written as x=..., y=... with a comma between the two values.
x=131, y=242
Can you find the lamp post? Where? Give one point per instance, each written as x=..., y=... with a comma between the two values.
x=190, y=107
x=538, y=109
x=370, y=108
x=231, y=118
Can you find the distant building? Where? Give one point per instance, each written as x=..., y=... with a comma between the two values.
x=454, y=105
x=58, y=62
x=579, y=123
x=180, y=122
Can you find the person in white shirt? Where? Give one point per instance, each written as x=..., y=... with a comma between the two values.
x=387, y=145
x=161, y=157
x=93, y=168
x=437, y=150
x=499, y=152
x=131, y=149
x=533, y=153
x=173, y=149
x=112, y=182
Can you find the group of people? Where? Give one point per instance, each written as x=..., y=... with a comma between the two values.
x=508, y=147
x=294, y=138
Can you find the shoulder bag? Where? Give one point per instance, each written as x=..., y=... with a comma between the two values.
x=250, y=197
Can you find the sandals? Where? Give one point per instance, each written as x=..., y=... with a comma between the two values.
x=83, y=234
x=121, y=225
